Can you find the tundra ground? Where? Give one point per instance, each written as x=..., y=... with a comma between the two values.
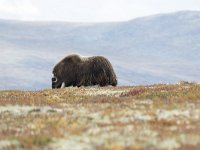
x=102, y=118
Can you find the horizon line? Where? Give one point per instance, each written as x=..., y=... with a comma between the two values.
x=96, y=22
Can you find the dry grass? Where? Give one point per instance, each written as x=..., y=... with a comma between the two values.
x=108, y=118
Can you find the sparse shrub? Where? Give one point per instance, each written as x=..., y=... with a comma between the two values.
x=35, y=142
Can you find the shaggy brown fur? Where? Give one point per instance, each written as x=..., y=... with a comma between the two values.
x=75, y=70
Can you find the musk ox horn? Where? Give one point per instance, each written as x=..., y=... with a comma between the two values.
x=75, y=70
x=54, y=79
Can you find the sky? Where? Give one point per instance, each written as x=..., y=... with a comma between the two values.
x=90, y=10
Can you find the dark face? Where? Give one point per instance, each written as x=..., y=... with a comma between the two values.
x=56, y=81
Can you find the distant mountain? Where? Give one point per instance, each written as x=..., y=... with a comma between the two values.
x=162, y=48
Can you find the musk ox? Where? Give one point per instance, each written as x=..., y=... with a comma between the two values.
x=75, y=70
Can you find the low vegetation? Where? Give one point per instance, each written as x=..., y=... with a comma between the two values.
x=102, y=118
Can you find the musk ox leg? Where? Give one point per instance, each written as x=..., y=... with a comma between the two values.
x=104, y=81
x=103, y=84
x=114, y=83
x=56, y=85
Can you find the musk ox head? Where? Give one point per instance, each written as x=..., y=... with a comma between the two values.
x=75, y=70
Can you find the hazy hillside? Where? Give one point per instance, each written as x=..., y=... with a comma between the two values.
x=156, y=49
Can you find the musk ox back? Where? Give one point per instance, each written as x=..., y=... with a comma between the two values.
x=75, y=70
